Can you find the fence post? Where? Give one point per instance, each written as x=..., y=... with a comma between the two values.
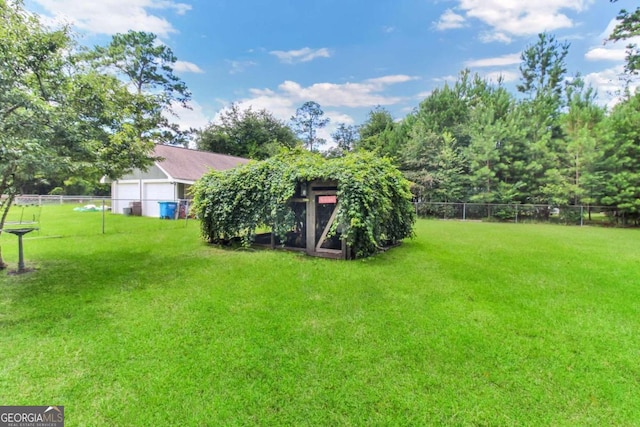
x=581, y=215
x=464, y=211
x=103, y=215
x=516, y=213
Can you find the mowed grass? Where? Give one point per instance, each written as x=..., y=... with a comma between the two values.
x=467, y=324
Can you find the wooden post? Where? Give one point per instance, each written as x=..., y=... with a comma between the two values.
x=311, y=220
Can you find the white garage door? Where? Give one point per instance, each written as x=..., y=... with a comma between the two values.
x=124, y=194
x=154, y=193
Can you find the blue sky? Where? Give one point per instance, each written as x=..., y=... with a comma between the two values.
x=347, y=55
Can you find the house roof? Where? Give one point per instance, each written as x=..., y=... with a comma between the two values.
x=189, y=165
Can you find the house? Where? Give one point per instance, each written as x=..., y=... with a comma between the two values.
x=168, y=179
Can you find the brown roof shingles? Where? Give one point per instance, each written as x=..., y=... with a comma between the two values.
x=189, y=165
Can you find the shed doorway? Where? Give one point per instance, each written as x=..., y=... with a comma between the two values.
x=322, y=209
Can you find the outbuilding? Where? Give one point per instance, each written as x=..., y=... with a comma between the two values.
x=168, y=179
x=346, y=207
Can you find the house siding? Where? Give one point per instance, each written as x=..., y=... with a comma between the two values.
x=154, y=172
x=167, y=180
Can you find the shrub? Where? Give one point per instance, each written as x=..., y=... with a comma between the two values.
x=57, y=191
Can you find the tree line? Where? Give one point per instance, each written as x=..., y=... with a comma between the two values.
x=549, y=142
x=70, y=115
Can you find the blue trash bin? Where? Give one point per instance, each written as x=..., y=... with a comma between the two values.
x=168, y=210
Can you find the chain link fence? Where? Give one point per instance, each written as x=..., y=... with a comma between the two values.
x=107, y=215
x=520, y=213
x=28, y=208
x=134, y=207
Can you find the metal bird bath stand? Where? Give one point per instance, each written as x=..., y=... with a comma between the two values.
x=20, y=232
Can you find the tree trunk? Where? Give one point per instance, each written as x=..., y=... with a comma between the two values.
x=5, y=211
x=3, y=264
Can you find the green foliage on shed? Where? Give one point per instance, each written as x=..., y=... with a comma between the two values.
x=374, y=201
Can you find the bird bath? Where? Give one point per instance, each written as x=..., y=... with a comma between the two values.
x=20, y=232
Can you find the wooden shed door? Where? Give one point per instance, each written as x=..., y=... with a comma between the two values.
x=326, y=210
x=321, y=214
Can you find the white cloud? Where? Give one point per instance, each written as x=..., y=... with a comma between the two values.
x=605, y=34
x=239, y=66
x=364, y=94
x=489, y=37
x=334, y=95
x=279, y=105
x=305, y=54
x=499, y=61
x=604, y=54
x=505, y=75
x=195, y=118
x=115, y=16
x=187, y=67
x=609, y=85
x=605, y=81
x=449, y=20
x=283, y=101
x=422, y=95
x=391, y=80
x=610, y=51
x=55, y=22
x=335, y=118
x=509, y=19
x=446, y=79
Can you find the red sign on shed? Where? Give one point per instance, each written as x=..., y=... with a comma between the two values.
x=328, y=200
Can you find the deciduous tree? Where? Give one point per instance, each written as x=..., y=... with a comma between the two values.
x=248, y=133
x=378, y=133
x=60, y=116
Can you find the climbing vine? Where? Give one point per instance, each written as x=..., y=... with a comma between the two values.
x=375, y=202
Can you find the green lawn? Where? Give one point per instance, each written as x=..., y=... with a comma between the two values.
x=467, y=324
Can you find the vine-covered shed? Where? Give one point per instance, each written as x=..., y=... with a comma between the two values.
x=344, y=207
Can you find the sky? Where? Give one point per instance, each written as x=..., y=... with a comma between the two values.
x=349, y=56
